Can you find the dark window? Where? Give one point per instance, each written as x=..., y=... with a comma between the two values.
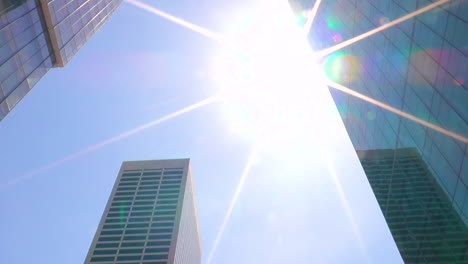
x=169, y=192
x=171, y=182
x=173, y=172
x=155, y=257
x=107, y=245
x=126, y=188
x=137, y=225
x=133, y=244
x=166, y=207
x=141, y=213
x=153, y=193
x=158, y=243
x=169, y=187
x=157, y=250
x=139, y=219
x=151, y=178
x=112, y=226
x=172, y=177
x=120, y=258
x=144, y=203
x=145, y=197
x=165, y=218
x=131, y=174
x=160, y=197
x=163, y=224
x=129, y=179
x=109, y=239
x=115, y=220
x=161, y=230
x=159, y=237
x=131, y=251
x=143, y=208
x=165, y=213
x=136, y=231
x=149, y=183
x=105, y=252
x=141, y=188
x=102, y=259
x=150, y=173
x=111, y=232
x=167, y=202
x=127, y=238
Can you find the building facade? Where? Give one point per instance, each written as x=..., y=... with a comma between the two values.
x=419, y=66
x=421, y=218
x=37, y=35
x=151, y=216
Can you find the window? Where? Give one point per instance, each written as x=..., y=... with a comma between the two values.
x=107, y=245
x=166, y=218
x=136, y=231
x=164, y=213
x=111, y=232
x=154, y=257
x=102, y=259
x=133, y=244
x=160, y=197
x=158, y=243
x=145, y=197
x=162, y=202
x=105, y=252
x=131, y=174
x=151, y=173
x=144, y=225
x=139, y=219
x=173, y=172
x=169, y=187
x=109, y=239
x=131, y=251
x=120, y=258
x=157, y=250
x=164, y=224
x=169, y=192
x=144, y=203
x=111, y=226
x=166, y=207
x=172, y=182
x=159, y=237
x=127, y=238
x=161, y=230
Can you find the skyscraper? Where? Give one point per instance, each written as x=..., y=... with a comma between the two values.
x=423, y=222
x=37, y=35
x=418, y=66
x=151, y=216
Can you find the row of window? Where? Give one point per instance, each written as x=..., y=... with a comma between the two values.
x=152, y=173
x=136, y=231
x=126, y=258
x=139, y=219
x=134, y=244
x=122, y=213
x=128, y=251
x=142, y=225
x=134, y=238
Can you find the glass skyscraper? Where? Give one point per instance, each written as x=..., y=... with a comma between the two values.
x=37, y=35
x=151, y=216
x=419, y=66
x=421, y=218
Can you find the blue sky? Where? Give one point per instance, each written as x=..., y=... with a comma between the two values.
x=138, y=68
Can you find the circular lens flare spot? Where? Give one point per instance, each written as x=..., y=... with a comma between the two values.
x=337, y=38
x=383, y=20
x=341, y=67
x=371, y=115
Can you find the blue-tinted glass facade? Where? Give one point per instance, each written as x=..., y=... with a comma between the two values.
x=425, y=226
x=419, y=66
x=38, y=35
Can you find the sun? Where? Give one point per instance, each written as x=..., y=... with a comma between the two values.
x=268, y=78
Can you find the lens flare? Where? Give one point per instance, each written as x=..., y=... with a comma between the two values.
x=342, y=67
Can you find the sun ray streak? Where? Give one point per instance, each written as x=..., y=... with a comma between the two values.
x=311, y=17
x=203, y=31
x=331, y=169
x=240, y=185
x=397, y=111
x=334, y=48
x=109, y=141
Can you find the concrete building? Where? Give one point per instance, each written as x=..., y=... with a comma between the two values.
x=151, y=216
x=421, y=218
x=37, y=35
